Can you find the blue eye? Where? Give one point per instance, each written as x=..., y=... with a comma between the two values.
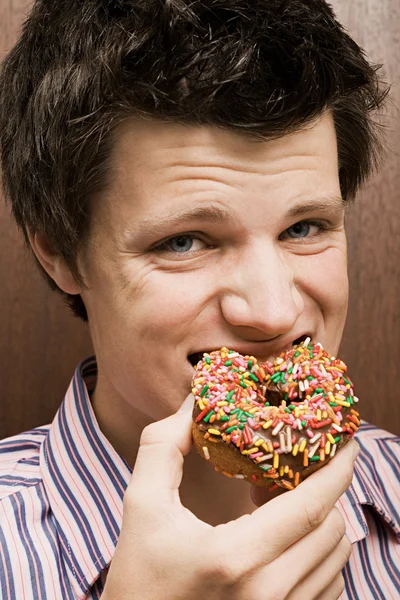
x=182, y=243
x=299, y=230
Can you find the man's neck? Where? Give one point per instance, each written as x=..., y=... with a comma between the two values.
x=211, y=496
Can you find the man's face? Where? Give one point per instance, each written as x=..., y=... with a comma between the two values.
x=208, y=238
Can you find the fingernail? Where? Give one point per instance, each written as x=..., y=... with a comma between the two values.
x=187, y=404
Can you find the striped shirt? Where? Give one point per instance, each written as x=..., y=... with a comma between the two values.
x=61, y=491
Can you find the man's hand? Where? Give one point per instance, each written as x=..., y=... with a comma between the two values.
x=291, y=548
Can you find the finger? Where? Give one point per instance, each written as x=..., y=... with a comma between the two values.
x=261, y=495
x=302, y=558
x=307, y=554
x=274, y=527
x=158, y=469
x=335, y=590
x=323, y=581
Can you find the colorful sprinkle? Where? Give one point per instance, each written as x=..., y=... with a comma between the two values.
x=292, y=411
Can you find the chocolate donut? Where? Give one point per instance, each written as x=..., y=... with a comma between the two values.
x=272, y=423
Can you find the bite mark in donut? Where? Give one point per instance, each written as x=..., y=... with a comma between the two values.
x=275, y=422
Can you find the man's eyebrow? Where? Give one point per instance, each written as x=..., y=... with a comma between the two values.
x=160, y=223
x=332, y=203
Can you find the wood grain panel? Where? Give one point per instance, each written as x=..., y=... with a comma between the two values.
x=41, y=343
x=371, y=343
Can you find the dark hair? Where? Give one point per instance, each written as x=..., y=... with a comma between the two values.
x=265, y=67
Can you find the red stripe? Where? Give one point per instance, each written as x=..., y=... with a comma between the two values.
x=15, y=530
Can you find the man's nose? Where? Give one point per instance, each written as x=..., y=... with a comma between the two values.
x=261, y=293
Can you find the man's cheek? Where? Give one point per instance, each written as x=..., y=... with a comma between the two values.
x=325, y=282
x=328, y=268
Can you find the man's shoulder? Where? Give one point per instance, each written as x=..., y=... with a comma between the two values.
x=373, y=438
x=380, y=452
x=377, y=482
x=370, y=431
x=19, y=460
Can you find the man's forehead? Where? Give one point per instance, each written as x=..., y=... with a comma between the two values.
x=159, y=144
x=163, y=172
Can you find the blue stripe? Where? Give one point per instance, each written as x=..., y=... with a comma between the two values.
x=10, y=445
x=31, y=546
x=355, y=504
x=391, y=460
x=21, y=481
x=368, y=572
x=81, y=469
x=7, y=572
x=21, y=525
x=87, y=362
x=349, y=583
x=87, y=368
x=38, y=431
x=71, y=560
x=35, y=461
x=114, y=475
x=376, y=494
x=47, y=524
x=387, y=557
x=73, y=502
x=97, y=590
x=77, y=514
x=365, y=426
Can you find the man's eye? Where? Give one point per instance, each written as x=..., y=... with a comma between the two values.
x=303, y=229
x=181, y=244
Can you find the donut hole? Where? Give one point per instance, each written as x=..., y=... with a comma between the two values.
x=274, y=398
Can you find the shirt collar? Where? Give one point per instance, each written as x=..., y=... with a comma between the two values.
x=85, y=480
x=374, y=484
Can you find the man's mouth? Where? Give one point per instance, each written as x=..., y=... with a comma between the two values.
x=197, y=356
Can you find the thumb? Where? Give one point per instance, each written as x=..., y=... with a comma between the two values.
x=163, y=445
x=187, y=404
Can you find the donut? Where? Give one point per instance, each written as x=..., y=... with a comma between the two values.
x=273, y=423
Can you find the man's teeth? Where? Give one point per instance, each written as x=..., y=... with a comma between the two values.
x=300, y=340
x=197, y=356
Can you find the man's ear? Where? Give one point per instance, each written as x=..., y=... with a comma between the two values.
x=53, y=263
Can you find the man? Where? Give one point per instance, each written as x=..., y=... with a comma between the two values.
x=181, y=171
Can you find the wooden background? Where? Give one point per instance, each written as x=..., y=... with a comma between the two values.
x=41, y=343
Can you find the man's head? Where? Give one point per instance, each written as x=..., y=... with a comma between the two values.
x=227, y=123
